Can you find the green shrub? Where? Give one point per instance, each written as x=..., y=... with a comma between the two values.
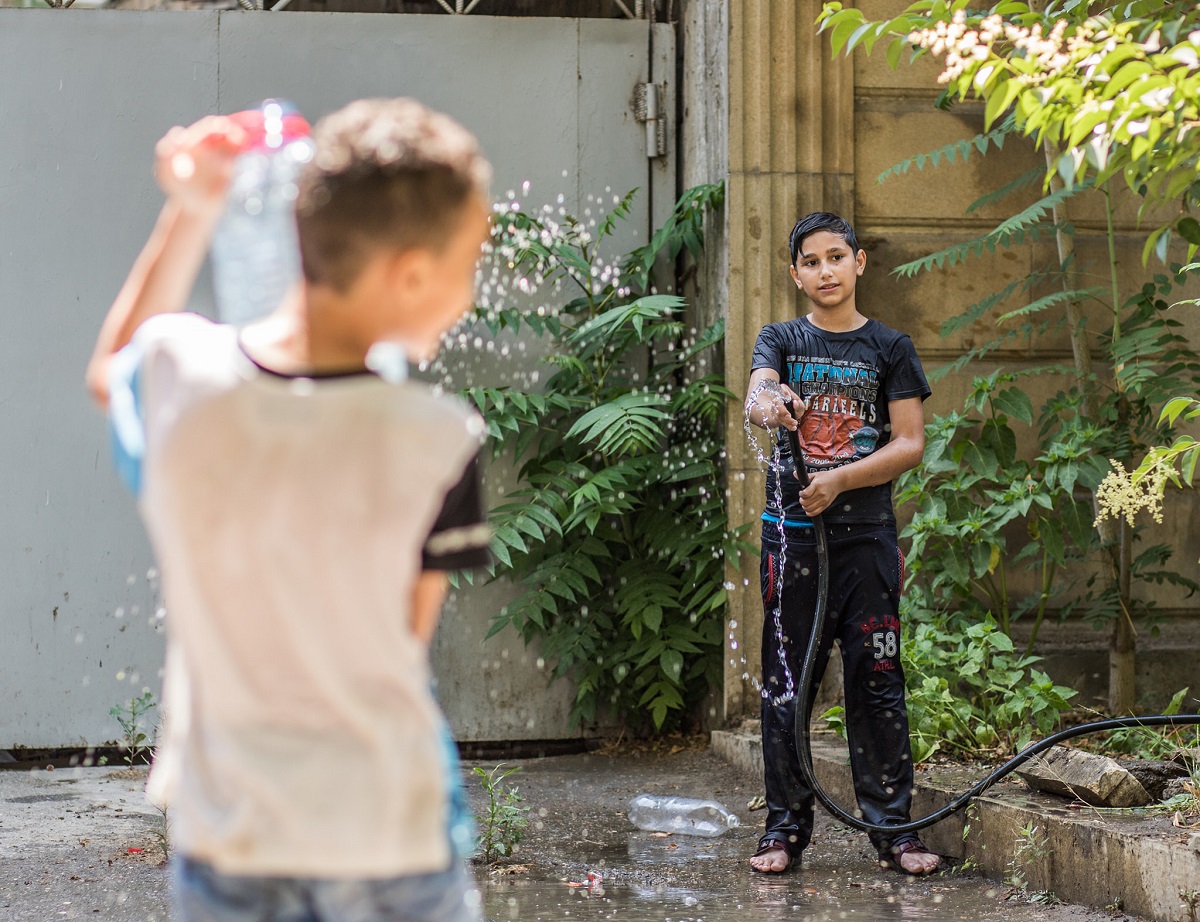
x=617, y=535
x=970, y=692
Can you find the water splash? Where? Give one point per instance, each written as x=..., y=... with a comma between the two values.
x=776, y=461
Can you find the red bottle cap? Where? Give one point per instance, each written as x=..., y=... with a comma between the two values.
x=271, y=125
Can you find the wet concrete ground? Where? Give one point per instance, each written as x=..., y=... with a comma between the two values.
x=578, y=808
x=79, y=844
x=84, y=844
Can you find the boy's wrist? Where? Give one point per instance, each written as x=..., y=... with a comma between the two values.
x=840, y=477
x=767, y=398
x=201, y=213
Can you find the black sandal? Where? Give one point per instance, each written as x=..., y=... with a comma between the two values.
x=890, y=859
x=769, y=843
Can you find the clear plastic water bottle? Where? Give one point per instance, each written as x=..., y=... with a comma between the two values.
x=255, y=250
x=686, y=815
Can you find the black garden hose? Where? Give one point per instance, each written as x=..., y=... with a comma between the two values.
x=804, y=743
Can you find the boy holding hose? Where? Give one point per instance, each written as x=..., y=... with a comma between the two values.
x=857, y=388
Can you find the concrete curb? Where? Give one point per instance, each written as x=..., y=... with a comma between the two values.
x=1139, y=864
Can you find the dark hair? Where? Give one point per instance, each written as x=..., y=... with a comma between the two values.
x=386, y=173
x=821, y=221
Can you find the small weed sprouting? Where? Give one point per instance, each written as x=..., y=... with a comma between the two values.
x=968, y=862
x=162, y=833
x=1044, y=898
x=503, y=823
x=1191, y=902
x=136, y=742
x=1032, y=848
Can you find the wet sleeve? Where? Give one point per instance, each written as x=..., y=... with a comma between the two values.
x=460, y=536
x=768, y=351
x=126, y=420
x=905, y=377
x=128, y=376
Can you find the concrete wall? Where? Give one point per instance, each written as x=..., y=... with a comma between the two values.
x=83, y=97
x=808, y=132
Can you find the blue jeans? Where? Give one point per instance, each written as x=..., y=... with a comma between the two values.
x=202, y=894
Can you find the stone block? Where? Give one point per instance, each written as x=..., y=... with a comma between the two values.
x=1155, y=777
x=1188, y=756
x=929, y=195
x=1094, y=779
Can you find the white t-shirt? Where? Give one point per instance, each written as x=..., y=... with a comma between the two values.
x=290, y=518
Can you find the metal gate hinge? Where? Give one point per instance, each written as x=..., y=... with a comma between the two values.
x=648, y=110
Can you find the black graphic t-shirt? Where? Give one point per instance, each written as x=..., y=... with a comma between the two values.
x=847, y=379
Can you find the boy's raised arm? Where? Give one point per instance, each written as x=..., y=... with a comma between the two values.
x=193, y=166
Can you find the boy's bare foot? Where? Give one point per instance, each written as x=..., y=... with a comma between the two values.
x=772, y=857
x=912, y=857
x=920, y=862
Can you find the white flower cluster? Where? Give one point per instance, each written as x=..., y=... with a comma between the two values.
x=1121, y=496
x=963, y=46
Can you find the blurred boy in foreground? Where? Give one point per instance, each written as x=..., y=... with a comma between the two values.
x=304, y=512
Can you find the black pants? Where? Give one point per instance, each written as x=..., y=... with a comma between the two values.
x=866, y=571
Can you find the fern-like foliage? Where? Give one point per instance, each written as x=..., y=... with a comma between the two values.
x=1025, y=181
x=683, y=229
x=616, y=537
x=1025, y=225
x=1153, y=358
x=955, y=151
x=1053, y=299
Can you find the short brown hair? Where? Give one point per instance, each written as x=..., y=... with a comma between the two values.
x=387, y=173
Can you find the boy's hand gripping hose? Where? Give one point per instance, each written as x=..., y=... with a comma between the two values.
x=803, y=704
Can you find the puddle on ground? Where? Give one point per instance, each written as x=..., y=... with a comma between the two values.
x=812, y=895
x=793, y=898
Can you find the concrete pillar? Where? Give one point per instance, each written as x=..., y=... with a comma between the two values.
x=791, y=151
x=704, y=138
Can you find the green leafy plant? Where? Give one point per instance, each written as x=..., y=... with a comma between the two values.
x=1153, y=743
x=973, y=486
x=970, y=692
x=505, y=816
x=1125, y=493
x=617, y=535
x=136, y=741
x=968, y=863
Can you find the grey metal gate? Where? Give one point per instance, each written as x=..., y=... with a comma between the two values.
x=83, y=96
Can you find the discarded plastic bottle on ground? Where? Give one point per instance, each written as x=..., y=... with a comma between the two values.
x=255, y=250
x=686, y=815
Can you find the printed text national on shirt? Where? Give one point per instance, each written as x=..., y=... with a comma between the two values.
x=845, y=379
